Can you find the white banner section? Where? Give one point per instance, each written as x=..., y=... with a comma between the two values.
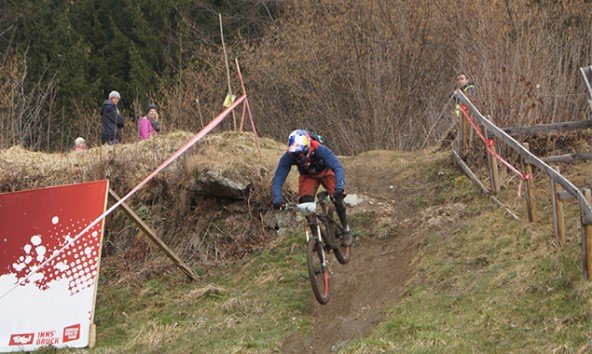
x=48, y=277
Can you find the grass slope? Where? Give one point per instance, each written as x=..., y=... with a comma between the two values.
x=492, y=286
x=484, y=283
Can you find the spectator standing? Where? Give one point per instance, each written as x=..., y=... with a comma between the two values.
x=467, y=87
x=149, y=125
x=112, y=120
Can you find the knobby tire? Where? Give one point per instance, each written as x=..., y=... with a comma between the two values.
x=330, y=230
x=333, y=239
x=343, y=254
x=319, y=277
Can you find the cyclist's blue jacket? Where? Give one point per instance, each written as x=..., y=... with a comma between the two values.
x=320, y=159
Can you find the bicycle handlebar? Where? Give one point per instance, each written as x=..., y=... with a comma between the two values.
x=307, y=207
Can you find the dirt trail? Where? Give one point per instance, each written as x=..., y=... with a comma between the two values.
x=362, y=290
x=375, y=277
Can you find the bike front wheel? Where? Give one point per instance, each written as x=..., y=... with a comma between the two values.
x=317, y=270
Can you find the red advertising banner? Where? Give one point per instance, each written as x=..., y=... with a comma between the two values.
x=49, y=265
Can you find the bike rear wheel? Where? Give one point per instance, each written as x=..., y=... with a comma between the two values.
x=343, y=254
x=317, y=271
x=333, y=239
x=330, y=232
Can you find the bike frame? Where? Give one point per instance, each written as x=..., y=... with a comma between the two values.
x=320, y=244
x=309, y=209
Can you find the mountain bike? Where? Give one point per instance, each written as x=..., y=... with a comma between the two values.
x=325, y=235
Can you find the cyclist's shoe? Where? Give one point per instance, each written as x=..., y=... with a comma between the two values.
x=346, y=239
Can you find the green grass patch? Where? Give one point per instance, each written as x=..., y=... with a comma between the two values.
x=493, y=286
x=249, y=306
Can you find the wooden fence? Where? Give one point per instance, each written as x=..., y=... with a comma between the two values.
x=492, y=135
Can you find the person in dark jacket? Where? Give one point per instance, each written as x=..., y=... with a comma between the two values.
x=112, y=120
x=467, y=87
x=317, y=165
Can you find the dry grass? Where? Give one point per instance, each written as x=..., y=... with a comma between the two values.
x=203, y=230
x=232, y=155
x=124, y=165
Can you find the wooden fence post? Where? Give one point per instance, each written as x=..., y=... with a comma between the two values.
x=587, y=238
x=558, y=218
x=493, y=170
x=464, y=131
x=530, y=201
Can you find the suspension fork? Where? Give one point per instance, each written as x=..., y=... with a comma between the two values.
x=320, y=241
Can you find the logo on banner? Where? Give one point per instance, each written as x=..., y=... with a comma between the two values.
x=21, y=339
x=71, y=333
x=47, y=338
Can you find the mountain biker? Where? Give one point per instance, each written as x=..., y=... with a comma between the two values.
x=317, y=165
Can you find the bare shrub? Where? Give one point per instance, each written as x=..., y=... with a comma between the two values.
x=379, y=74
x=366, y=74
x=26, y=114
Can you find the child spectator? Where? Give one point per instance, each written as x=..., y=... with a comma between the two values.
x=149, y=125
x=80, y=144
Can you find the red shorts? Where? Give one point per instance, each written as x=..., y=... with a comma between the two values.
x=308, y=185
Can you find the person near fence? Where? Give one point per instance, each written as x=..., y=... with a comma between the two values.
x=148, y=125
x=112, y=121
x=467, y=87
x=317, y=165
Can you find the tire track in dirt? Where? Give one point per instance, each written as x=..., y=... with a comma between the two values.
x=374, y=280
x=362, y=290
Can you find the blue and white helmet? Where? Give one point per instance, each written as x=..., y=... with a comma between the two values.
x=299, y=142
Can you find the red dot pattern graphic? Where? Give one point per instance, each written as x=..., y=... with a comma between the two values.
x=77, y=263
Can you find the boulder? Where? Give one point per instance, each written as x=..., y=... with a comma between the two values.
x=213, y=184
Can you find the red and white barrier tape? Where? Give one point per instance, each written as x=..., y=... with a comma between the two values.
x=490, y=144
x=167, y=162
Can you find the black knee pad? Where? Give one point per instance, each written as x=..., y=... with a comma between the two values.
x=306, y=199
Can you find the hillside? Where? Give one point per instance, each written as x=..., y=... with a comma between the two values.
x=436, y=266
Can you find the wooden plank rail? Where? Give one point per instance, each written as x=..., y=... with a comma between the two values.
x=475, y=179
x=587, y=74
x=546, y=128
x=568, y=157
x=563, y=195
x=468, y=171
x=530, y=158
x=582, y=197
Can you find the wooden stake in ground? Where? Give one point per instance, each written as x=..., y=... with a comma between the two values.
x=465, y=133
x=152, y=235
x=530, y=200
x=558, y=218
x=493, y=170
x=587, y=238
x=227, y=70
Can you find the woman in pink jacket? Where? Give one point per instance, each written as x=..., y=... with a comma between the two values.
x=148, y=125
